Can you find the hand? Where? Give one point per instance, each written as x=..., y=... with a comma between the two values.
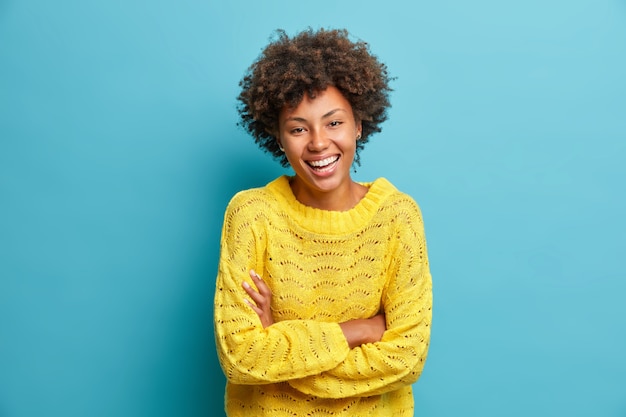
x=361, y=331
x=262, y=304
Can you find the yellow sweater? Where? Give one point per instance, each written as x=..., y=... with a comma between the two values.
x=324, y=268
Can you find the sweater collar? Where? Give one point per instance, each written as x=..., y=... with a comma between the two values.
x=329, y=222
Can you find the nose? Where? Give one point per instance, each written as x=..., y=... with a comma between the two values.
x=318, y=141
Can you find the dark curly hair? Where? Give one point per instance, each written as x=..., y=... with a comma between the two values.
x=308, y=63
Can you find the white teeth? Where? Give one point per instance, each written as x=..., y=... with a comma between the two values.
x=323, y=162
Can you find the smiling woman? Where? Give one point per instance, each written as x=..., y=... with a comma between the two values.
x=319, y=139
x=337, y=319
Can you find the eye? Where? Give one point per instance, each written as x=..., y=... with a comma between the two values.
x=296, y=130
x=335, y=123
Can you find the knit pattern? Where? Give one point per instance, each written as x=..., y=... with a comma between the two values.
x=324, y=268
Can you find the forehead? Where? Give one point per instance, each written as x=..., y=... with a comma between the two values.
x=318, y=105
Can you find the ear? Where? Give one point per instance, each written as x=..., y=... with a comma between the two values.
x=276, y=136
x=359, y=129
x=280, y=144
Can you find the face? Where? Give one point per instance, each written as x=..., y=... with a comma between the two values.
x=319, y=137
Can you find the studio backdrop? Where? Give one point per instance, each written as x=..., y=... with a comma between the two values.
x=119, y=150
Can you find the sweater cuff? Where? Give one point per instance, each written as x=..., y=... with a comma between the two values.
x=337, y=343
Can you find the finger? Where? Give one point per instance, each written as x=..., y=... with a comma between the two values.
x=256, y=309
x=251, y=292
x=264, y=290
x=259, y=299
x=252, y=305
x=260, y=284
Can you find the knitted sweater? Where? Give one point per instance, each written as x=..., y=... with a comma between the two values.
x=324, y=268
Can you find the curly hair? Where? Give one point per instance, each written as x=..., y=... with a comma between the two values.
x=308, y=63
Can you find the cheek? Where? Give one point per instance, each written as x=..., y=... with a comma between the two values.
x=294, y=147
x=350, y=144
x=291, y=155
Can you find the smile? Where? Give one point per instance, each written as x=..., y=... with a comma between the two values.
x=323, y=164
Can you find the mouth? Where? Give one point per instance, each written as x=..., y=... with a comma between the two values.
x=325, y=164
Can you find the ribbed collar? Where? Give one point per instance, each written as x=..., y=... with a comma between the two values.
x=329, y=222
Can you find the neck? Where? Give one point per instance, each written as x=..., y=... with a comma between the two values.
x=336, y=200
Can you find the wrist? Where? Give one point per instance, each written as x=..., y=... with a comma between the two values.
x=359, y=332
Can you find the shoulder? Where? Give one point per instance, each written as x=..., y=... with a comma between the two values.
x=252, y=201
x=244, y=213
x=395, y=201
x=248, y=202
x=247, y=199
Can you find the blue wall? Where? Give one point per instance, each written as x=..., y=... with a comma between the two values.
x=119, y=152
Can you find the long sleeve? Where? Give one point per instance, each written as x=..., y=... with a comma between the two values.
x=324, y=268
x=248, y=353
x=398, y=359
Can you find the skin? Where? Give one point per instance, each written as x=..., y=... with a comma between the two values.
x=320, y=128
x=357, y=332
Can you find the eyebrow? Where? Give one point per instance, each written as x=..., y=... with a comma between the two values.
x=325, y=116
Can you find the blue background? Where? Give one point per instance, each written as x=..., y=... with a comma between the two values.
x=119, y=151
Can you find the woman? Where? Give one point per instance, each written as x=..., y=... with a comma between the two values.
x=323, y=296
